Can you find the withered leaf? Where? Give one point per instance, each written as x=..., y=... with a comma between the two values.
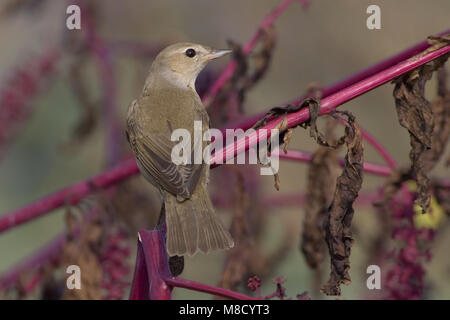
x=441, y=113
x=415, y=113
x=314, y=109
x=313, y=104
x=262, y=58
x=338, y=234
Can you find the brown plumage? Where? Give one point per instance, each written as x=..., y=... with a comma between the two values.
x=168, y=102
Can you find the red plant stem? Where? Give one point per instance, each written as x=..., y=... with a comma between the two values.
x=368, y=167
x=406, y=54
x=370, y=71
x=139, y=286
x=328, y=104
x=70, y=195
x=151, y=268
x=192, y=285
x=267, y=22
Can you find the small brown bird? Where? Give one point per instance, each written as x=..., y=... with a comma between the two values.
x=168, y=102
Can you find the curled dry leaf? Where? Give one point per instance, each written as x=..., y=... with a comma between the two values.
x=252, y=68
x=441, y=113
x=262, y=58
x=314, y=109
x=338, y=234
x=415, y=113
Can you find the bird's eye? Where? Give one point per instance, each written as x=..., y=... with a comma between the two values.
x=190, y=53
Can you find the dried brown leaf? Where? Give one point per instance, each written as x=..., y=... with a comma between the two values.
x=441, y=113
x=338, y=234
x=415, y=113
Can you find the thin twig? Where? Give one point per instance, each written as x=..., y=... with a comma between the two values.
x=192, y=285
x=70, y=195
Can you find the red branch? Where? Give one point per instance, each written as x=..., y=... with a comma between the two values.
x=151, y=268
x=248, y=122
x=328, y=104
x=192, y=285
x=70, y=195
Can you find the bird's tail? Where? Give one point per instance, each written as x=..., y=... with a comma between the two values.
x=192, y=225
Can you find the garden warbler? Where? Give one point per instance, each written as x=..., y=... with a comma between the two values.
x=168, y=102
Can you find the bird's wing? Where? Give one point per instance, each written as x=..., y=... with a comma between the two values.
x=153, y=153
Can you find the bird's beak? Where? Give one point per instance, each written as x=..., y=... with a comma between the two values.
x=214, y=54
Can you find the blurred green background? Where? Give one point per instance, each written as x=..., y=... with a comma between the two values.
x=325, y=43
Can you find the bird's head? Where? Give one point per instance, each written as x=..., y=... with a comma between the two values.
x=180, y=63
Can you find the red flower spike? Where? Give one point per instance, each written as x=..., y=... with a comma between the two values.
x=254, y=283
